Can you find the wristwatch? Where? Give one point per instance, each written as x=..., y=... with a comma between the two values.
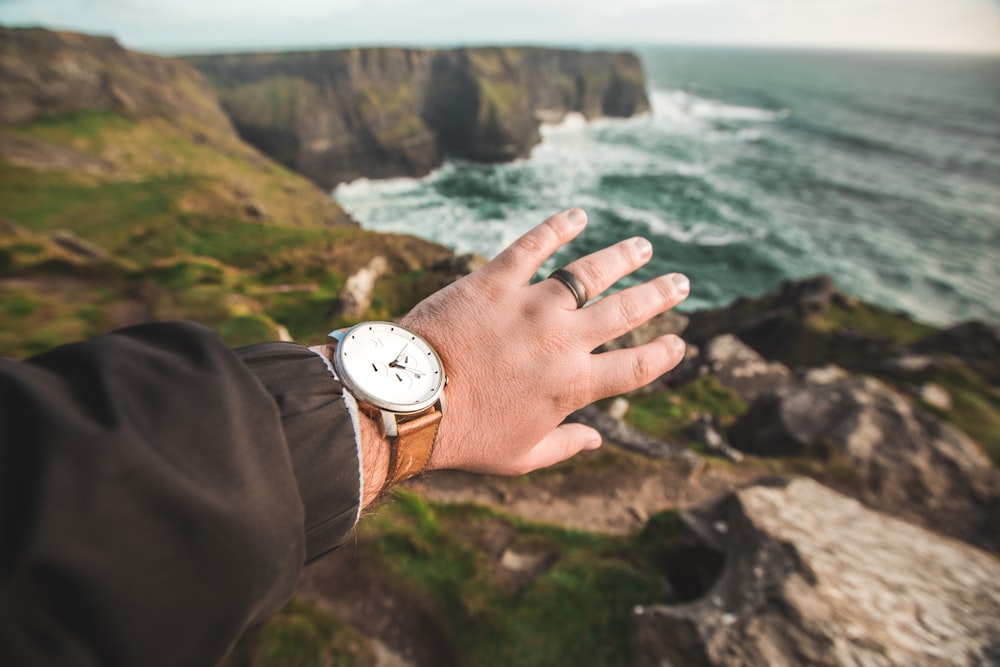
x=394, y=372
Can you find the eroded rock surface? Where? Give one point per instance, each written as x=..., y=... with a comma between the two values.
x=812, y=577
x=902, y=459
x=740, y=368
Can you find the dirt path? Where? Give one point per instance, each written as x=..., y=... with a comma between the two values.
x=608, y=499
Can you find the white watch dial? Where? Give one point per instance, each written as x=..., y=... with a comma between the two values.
x=390, y=366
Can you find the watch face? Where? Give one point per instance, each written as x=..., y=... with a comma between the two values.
x=389, y=366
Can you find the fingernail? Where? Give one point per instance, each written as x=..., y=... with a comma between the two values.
x=594, y=441
x=576, y=216
x=644, y=247
x=681, y=282
x=677, y=344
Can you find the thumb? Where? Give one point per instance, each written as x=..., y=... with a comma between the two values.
x=561, y=443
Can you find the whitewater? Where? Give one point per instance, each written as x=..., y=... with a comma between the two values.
x=754, y=167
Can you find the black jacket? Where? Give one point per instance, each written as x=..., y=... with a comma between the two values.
x=160, y=492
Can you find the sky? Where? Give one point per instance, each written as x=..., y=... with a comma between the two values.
x=172, y=26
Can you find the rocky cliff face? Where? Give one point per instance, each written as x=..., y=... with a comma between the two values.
x=338, y=115
x=813, y=578
x=45, y=74
x=72, y=103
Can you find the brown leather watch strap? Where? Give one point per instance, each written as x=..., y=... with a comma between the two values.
x=411, y=450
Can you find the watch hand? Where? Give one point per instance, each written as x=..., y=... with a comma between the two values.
x=394, y=361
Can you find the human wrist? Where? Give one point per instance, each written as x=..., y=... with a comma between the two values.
x=373, y=445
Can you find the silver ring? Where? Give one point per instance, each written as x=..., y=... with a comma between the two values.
x=574, y=285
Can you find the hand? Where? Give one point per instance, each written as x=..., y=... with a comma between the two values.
x=519, y=356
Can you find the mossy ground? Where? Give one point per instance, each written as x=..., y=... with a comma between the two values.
x=302, y=634
x=572, y=609
x=194, y=226
x=669, y=414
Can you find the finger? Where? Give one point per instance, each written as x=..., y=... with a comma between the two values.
x=522, y=259
x=621, y=371
x=563, y=442
x=623, y=311
x=600, y=270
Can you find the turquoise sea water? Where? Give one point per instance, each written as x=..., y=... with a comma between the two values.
x=754, y=167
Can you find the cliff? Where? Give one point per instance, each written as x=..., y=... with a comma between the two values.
x=339, y=115
x=126, y=195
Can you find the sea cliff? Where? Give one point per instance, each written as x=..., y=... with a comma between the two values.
x=339, y=115
x=809, y=444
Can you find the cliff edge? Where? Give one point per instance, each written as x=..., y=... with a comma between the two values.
x=339, y=115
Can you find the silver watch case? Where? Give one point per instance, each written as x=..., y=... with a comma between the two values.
x=389, y=410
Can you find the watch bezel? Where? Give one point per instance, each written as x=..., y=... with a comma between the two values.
x=363, y=396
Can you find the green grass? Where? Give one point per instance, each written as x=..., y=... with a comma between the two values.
x=141, y=219
x=83, y=130
x=668, y=414
x=107, y=214
x=975, y=406
x=302, y=635
x=34, y=321
x=864, y=318
x=575, y=610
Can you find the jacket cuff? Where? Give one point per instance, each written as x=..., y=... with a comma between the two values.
x=322, y=440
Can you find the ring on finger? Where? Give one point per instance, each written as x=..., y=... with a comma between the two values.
x=574, y=284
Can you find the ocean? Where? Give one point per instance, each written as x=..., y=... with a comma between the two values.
x=756, y=166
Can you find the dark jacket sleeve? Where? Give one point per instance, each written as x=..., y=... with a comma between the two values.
x=159, y=493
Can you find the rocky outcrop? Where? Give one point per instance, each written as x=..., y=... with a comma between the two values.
x=740, y=368
x=132, y=116
x=811, y=577
x=903, y=460
x=783, y=327
x=335, y=116
x=44, y=73
x=355, y=298
x=613, y=429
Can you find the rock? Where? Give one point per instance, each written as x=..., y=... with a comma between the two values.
x=46, y=73
x=908, y=364
x=11, y=228
x=935, y=395
x=707, y=431
x=825, y=375
x=904, y=460
x=623, y=435
x=356, y=297
x=807, y=296
x=79, y=248
x=618, y=408
x=811, y=577
x=453, y=267
x=385, y=112
x=740, y=368
x=789, y=327
x=969, y=341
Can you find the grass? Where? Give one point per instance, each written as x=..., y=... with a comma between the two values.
x=864, y=318
x=975, y=406
x=302, y=635
x=668, y=414
x=83, y=130
x=574, y=611
x=34, y=321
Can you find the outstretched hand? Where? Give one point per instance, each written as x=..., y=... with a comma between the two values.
x=519, y=355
